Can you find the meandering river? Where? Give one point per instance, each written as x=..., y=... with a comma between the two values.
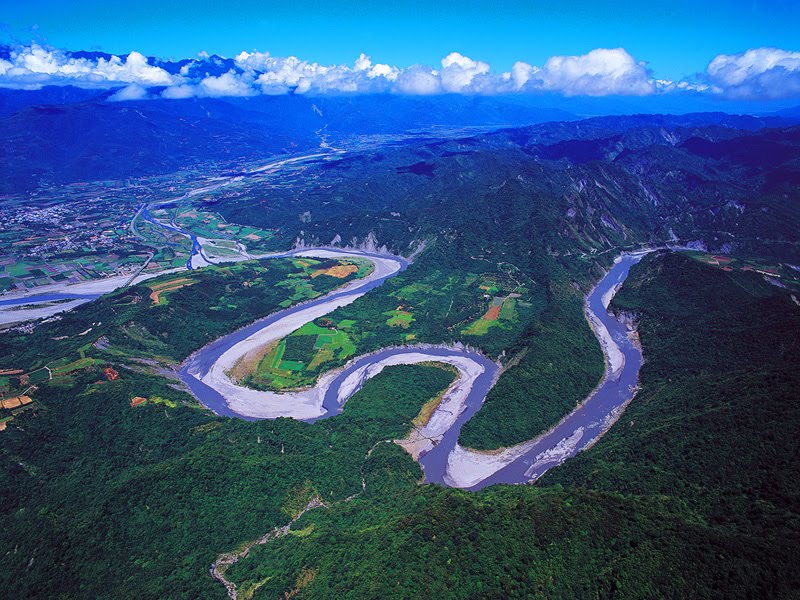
x=435, y=445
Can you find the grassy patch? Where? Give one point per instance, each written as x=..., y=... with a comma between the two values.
x=64, y=369
x=298, y=359
x=399, y=318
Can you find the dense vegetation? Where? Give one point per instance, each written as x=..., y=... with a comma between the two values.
x=553, y=203
x=192, y=310
x=398, y=541
x=103, y=500
x=693, y=493
x=560, y=364
x=714, y=425
x=512, y=227
x=549, y=205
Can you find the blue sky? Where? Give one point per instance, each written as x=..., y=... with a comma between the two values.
x=738, y=49
x=675, y=38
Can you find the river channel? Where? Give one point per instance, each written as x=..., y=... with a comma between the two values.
x=442, y=458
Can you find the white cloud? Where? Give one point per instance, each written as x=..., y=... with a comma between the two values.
x=133, y=69
x=385, y=71
x=418, y=80
x=364, y=65
x=131, y=92
x=255, y=61
x=756, y=73
x=761, y=72
x=459, y=73
x=521, y=73
x=38, y=65
x=179, y=92
x=601, y=72
x=279, y=75
x=669, y=86
x=227, y=84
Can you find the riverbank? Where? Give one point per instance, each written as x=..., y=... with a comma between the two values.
x=75, y=293
x=433, y=444
x=214, y=371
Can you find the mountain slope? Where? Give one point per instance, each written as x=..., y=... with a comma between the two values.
x=693, y=493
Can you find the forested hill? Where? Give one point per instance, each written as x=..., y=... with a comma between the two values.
x=59, y=135
x=507, y=201
x=693, y=493
x=729, y=183
x=713, y=428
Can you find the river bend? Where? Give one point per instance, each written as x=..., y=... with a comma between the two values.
x=435, y=445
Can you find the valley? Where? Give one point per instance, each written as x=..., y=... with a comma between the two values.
x=461, y=301
x=323, y=289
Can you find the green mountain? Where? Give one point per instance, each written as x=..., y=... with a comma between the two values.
x=116, y=483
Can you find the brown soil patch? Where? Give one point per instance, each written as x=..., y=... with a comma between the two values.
x=248, y=364
x=169, y=286
x=306, y=576
x=11, y=371
x=427, y=411
x=137, y=401
x=12, y=402
x=252, y=237
x=339, y=271
x=492, y=314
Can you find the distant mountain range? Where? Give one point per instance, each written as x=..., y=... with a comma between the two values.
x=726, y=182
x=58, y=135
x=65, y=134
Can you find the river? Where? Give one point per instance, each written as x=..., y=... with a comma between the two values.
x=442, y=459
x=435, y=445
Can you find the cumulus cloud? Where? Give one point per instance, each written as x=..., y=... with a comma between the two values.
x=418, y=80
x=277, y=75
x=227, y=84
x=763, y=72
x=521, y=73
x=601, y=72
x=364, y=65
x=179, y=92
x=37, y=65
x=756, y=73
x=460, y=73
x=131, y=92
